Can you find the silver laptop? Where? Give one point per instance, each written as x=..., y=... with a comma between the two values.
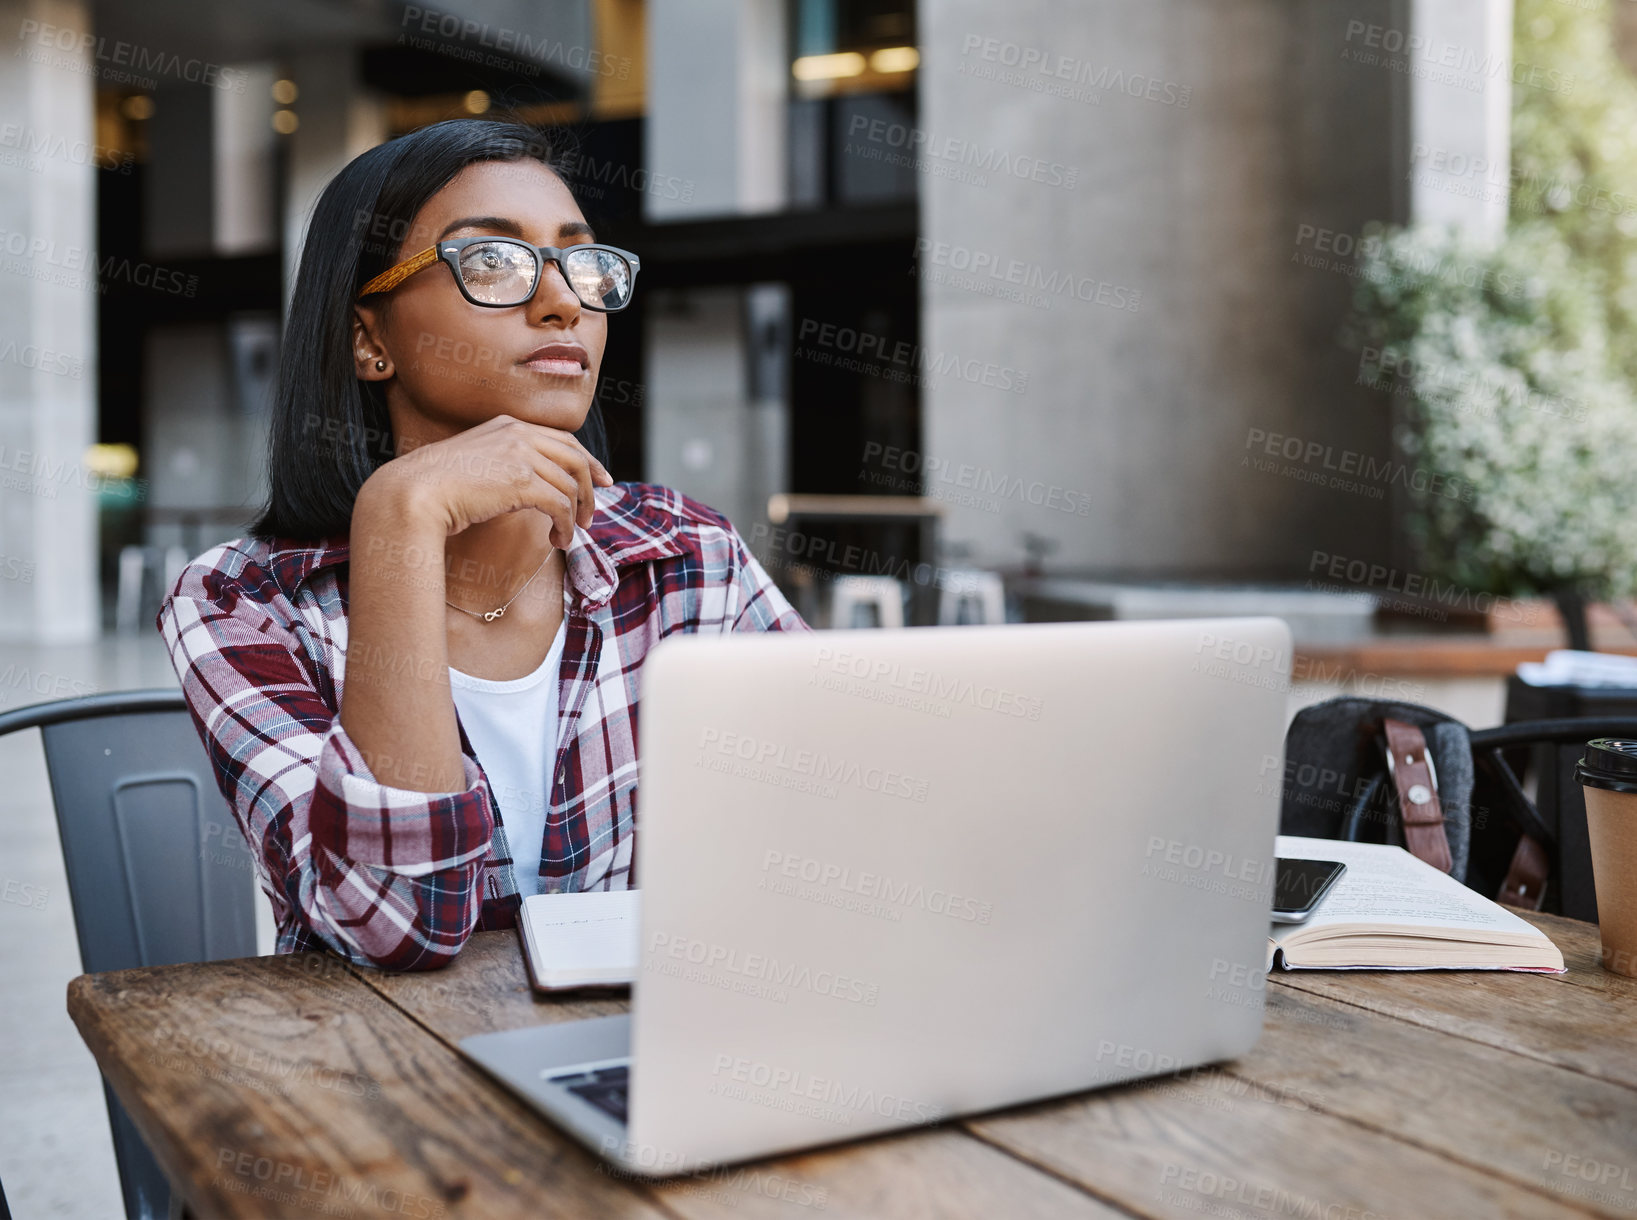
x=895, y=876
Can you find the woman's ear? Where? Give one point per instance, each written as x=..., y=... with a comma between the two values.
x=369, y=355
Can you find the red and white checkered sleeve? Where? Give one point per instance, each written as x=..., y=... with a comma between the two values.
x=758, y=604
x=384, y=876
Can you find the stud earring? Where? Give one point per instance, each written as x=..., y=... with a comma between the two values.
x=380, y=366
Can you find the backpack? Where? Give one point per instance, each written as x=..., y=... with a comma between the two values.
x=1382, y=771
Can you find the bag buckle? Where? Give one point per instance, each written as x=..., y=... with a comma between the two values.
x=1417, y=788
x=1417, y=795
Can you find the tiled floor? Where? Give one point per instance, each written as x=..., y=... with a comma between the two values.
x=56, y=1157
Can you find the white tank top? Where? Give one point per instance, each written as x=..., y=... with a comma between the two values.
x=513, y=730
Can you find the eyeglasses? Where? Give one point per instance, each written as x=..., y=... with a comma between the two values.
x=498, y=272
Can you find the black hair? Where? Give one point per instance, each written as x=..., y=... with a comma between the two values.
x=330, y=431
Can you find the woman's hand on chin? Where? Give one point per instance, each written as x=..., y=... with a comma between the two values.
x=496, y=467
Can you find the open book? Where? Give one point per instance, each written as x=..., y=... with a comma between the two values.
x=1391, y=911
x=588, y=939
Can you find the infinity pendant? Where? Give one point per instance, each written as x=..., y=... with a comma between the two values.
x=489, y=616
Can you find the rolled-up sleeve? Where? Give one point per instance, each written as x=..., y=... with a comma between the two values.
x=383, y=876
x=759, y=604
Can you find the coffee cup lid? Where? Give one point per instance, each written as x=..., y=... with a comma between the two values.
x=1609, y=762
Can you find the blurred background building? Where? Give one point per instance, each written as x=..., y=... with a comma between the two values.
x=1058, y=270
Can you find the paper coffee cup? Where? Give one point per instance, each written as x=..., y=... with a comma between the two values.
x=1608, y=779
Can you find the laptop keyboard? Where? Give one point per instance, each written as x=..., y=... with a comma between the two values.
x=606, y=1088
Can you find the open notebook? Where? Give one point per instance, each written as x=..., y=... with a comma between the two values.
x=580, y=940
x=1391, y=911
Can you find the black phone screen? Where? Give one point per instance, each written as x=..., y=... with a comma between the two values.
x=1299, y=884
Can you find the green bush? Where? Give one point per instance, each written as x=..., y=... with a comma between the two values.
x=1515, y=360
x=1574, y=153
x=1499, y=352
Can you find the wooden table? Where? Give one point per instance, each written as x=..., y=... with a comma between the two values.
x=298, y=1086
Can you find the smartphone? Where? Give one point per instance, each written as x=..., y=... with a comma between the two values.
x=1300, y=885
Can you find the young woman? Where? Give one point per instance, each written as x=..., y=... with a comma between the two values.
x=418, y=677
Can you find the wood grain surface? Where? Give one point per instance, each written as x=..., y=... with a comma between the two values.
x=301, y=1086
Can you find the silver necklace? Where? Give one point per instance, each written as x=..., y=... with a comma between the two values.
x=489, y=616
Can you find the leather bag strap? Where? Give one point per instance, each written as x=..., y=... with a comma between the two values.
x=1525, y=884
x=1411, y=769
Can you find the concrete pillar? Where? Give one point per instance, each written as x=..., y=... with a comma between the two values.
x=338, y=120
x=1459, y=53
x=178, y=188
x=242, y=159
x=723, y=442
x=718, y=73
x=1121, y=293
x=49, y=589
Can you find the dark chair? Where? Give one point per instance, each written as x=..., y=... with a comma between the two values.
x=158, y=872
x=1557, y=817
x=1551, y=764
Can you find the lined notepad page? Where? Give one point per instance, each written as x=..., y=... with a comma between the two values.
x=581, y=940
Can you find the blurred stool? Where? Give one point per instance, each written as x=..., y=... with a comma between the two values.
x=974, y=587
x=850, y=594
x=135, y=562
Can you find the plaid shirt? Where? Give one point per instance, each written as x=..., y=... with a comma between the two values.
x=396, y=878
